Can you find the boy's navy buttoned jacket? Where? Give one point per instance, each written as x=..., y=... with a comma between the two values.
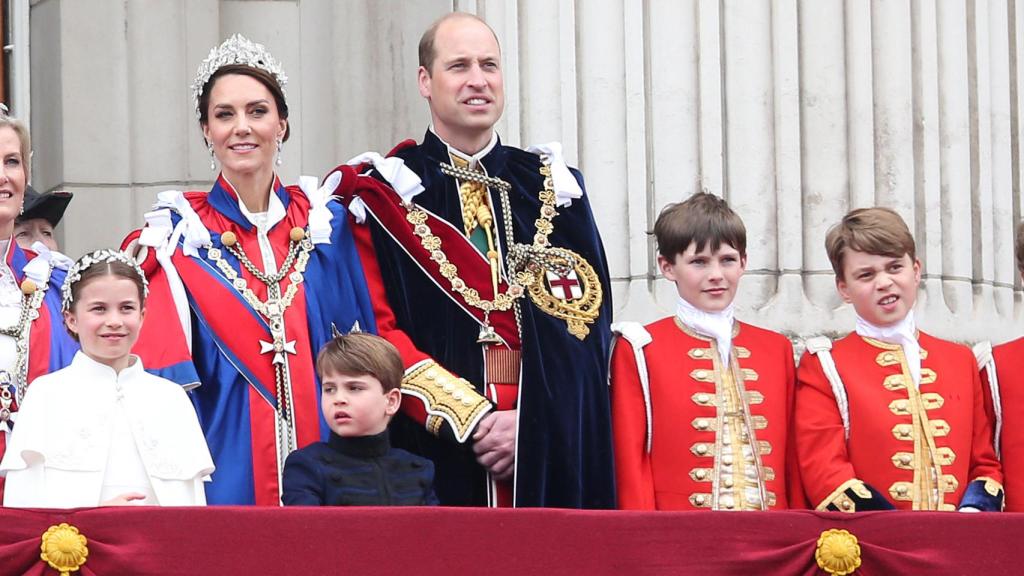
x=357, y=471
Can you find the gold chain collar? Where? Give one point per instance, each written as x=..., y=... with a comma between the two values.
x=524, y=274
x=528, y=265
x=299, y=247
x=20, y=331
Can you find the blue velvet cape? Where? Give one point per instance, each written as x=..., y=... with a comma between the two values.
x=564, y=454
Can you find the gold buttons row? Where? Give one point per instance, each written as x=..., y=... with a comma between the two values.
x=894, y=357
x=708, y=399
x=903, y=431
x=459, y=388
x=764, y=448
x=704, y=399
x=705, y=375
x=944, y=456
x=904, y=490
x=702, y=375
x=894, y=382
x=701, y=353
x=903, y=460
x=704, y=424
x=901, y=491
x=725, y=502
x=930, y=401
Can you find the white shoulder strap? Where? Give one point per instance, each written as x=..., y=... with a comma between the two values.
x=638, y=337
x=987, y=362
x=821, y=346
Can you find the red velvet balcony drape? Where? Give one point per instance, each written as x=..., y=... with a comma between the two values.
x=423, y=541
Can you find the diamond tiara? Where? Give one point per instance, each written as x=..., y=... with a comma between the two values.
x=236, y=50
x=88, y=261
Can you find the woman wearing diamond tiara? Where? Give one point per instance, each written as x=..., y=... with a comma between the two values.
x=102, y=431
x=253, y=277
x=33, y=341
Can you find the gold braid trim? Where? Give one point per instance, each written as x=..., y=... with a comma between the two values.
x=434, y=424
x=447, y=397
x=992, y=487
x=843, y=502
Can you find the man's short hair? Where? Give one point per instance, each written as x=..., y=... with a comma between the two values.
x=426, y=49
x=361, y=353
x=879, y=231
x=701, y=220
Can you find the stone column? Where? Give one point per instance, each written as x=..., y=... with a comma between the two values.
x=793, y=110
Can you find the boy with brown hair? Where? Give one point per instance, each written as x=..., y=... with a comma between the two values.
x=888, y=416
x=701, y=402
x=360, y=375
x=1001, y=368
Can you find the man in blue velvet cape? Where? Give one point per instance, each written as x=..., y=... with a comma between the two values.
x=487, y=272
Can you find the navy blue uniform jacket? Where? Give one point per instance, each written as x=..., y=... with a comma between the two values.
x=357, y=471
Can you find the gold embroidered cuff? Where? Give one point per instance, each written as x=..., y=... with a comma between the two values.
x=446, y=396
x=992, y=487
x=843, y=502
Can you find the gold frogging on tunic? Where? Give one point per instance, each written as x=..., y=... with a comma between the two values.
x=929, y=486
x=736, y=474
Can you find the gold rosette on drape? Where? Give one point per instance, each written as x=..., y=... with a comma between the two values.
x=64, y=548
x=838, y=552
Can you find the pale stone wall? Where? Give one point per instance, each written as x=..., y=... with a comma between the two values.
x=794, y=110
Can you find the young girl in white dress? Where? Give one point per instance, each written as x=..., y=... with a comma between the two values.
x=103, y=431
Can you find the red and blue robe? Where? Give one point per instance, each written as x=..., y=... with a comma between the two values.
x=50, y=347
x=236, y=399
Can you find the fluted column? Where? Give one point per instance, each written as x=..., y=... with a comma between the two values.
x=793, y=110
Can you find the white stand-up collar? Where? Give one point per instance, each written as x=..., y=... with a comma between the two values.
x=716, y=325
x=472, y=159
x=902, y=333
x=99, y=372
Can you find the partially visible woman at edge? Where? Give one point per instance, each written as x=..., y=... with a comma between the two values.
x=33, y=341
x=248, y=281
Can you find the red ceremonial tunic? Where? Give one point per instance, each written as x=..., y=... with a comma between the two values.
x=683, y=467
x=920, y=447
x=1009, y=361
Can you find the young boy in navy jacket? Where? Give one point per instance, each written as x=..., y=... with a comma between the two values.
x=360, y=376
